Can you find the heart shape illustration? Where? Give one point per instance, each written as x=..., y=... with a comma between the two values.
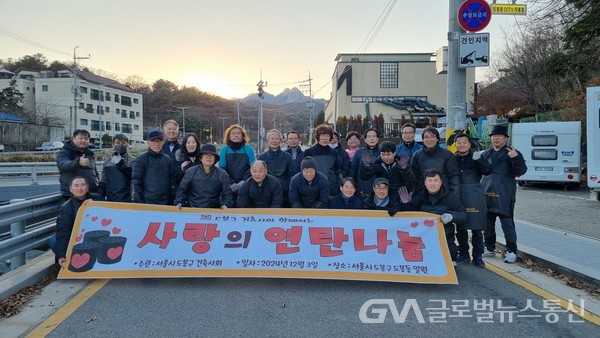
x=78, y=261
x=78, y=239
x=414, y=224
x=114, y=253
x=429, y=223
x=105, y=221
x=94, y=219
x=116, y=230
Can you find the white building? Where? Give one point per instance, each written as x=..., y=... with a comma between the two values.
x=393, y=85
x=102, y=105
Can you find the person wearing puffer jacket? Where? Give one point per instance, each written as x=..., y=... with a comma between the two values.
x=188, y=155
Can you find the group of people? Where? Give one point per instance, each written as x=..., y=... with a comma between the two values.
x=468, y=189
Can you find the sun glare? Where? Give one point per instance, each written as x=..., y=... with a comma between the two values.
x=213, y=85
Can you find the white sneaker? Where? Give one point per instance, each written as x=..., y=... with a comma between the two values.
x=488, y=253
x=511, y=257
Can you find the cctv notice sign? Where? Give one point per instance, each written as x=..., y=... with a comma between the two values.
x=474, y=50
x=123, y=240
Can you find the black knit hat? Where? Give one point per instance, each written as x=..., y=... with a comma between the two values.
x=308, y=162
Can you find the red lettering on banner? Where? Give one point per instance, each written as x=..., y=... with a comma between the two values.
x=323, y=236
x=151, y=237
x=235, y=236
x=411, y=247
x=202, y=234
x=382, y=241
x=292, y=235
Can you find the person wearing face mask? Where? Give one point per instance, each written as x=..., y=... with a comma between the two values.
x=335, y=145
x=115, y=183
x=188, y=155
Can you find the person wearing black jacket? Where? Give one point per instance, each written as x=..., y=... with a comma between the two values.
x=279, y=163
x=344, y=157
x=76, y=159
x=115, y=183
x=380, y=197
x=171, y=134
x=309, y=188
x=294, y=149
x=65, y=221
x=328, y=160
x=436, y=199
x=363, y=159
x=347, y=198
x=154, y=174
x=188, y=155
x=205, y=185
x=261, y=190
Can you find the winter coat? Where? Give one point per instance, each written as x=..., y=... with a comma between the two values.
x=441, y=202
x=115, y=184
x=403, y=149
x=297, y=160
x=500, y=185
x=440, y=159
x=67, y=161
x=345, y=159
x=396, y=175
x=281, y=166
x=180, y=157
x=153, y=178
x=370, y=203
x=363, y=158
x=340, y=202
x=200, y=190
x=167, y=148
x=64, y=225
x=472, y=196
x=309, y=195
x=237, y=162
x=329, y=163
x=268, y=195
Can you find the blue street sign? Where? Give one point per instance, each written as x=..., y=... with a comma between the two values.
x=474, y=15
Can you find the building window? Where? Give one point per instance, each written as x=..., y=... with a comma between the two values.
x=118, y=111
x=117, y=126
x=94, y=94
x=95, y=125
x=124, y=113
x=107, y=109
x=116, y=98
x=83, y=122
x=132, y=115
x=137, y=114
x=107, y=96
x=136, y=127
x=83, y=90
x=89, y=108
x=136, y=101
x=44, y=88
x=126, y=101
x=126, y=128
x=108, y=127
x=388, y=75
x=81, y=105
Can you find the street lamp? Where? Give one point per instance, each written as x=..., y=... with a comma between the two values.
x=223, y=118
x=183, y=117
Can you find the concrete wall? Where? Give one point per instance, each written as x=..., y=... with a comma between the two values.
x=23, y=136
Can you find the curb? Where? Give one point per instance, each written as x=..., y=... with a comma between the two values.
x=32, y=272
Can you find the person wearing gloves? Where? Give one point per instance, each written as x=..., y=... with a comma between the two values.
x=436, y=199
x=115, y=183
x=188, y=155
x=380, y=197
x=393, y=167
x=261, y=190
x=76, y=159
x=501, y=191
x=279, y=163
x=154, y=173
x=472, y=167
x=363, y=159
x=205, y=185
x=236, y=157
x=347, y=198
x=309, y=188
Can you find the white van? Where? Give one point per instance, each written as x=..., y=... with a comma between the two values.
x=552, y=151
x=593, y=140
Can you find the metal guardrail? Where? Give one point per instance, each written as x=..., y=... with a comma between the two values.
x=33, y=169
x=14, y=216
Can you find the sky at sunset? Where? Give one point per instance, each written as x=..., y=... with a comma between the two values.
x=222, y=46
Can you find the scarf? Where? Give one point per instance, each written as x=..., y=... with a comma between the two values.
x=381, y=203
x=235, y=145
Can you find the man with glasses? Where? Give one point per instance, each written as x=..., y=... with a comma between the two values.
x=408, y=146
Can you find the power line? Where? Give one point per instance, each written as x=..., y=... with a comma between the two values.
x=25, y=40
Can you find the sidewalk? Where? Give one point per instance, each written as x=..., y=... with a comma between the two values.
x=568, y=253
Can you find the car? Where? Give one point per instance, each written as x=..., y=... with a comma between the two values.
x=50, y=146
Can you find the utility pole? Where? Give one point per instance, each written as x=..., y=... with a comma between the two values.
x=261, y=92
x=73, y=122
x=310, y=104
x=238, y=112
x=457, y=77
x=183, y=118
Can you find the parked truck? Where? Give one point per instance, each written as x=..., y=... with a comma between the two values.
x=593, y=140
x=552, y=151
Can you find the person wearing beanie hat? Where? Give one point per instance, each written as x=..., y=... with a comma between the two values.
x=344, y=157
x=432, y=156
x=328, y=160
x=501, y=192
x=309, y=188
